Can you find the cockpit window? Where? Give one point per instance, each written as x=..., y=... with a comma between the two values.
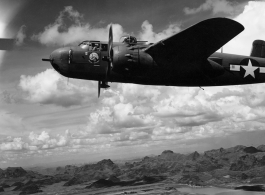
x=90, y=46
x=84, y=43
x=104, y=47
x=95, y=46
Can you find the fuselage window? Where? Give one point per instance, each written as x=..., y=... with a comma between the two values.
x=104, y=47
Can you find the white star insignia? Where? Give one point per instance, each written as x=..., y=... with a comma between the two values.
x=249, y=69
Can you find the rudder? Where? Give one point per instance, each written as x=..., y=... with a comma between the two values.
x=258, y=49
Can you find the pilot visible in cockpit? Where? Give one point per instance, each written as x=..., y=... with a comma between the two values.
x=95, y=47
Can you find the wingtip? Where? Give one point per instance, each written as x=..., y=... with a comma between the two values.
x=227, y=21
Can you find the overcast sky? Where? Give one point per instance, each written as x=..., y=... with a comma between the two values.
x=42, y=119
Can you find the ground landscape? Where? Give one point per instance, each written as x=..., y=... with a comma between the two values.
x=163, y=174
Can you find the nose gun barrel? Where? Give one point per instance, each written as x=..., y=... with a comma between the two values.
x=47, y=60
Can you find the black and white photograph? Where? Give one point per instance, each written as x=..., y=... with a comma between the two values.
x=113, y=97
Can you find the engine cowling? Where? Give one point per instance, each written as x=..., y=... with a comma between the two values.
x=131, y=60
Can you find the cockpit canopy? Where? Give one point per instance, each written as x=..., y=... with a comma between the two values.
x=90, y=45
x=93, y=46
x=128, y=39
x=98, y=46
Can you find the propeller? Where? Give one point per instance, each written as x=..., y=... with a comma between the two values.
x=110, y=50
x=104, y=84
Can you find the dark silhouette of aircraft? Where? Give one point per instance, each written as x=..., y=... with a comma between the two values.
x=187, y=58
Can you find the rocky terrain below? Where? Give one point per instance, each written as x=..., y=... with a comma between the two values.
x=232, y=167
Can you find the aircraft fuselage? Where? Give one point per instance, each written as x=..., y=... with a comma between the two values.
x=131, y=64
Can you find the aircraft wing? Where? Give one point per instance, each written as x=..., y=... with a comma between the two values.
x=196, y=42
x=6, y=44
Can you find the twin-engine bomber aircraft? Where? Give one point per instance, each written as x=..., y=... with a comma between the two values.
x=187, y=58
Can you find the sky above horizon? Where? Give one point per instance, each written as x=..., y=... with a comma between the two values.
x=43, y=119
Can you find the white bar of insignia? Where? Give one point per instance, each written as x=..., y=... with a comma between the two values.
x=234, y=67
x=262, y=69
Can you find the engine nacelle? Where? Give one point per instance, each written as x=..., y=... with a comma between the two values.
x=131, y=60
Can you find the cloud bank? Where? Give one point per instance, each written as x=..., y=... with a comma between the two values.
x=49, y=87
x=217, y=6
x=73, y=30
x=252, y=18
x=59, y=33
x=21, y=35
x=148, y=34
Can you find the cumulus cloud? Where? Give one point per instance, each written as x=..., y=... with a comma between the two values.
x=217, y=6
x=160, y=109
x=251, y=96
x=49, y=87
x=176, y=113
x=148, y=34
x=59, y=33
x=182, y=114
x=36, y=142
x=21, y=35
x=109, y=120
x=16, y=144
x=63, y=32
x=45, y=141
x=252, y=18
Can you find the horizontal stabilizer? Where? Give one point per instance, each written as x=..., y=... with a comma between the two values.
x=7, y=44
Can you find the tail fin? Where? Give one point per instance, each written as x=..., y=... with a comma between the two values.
x=258, y=49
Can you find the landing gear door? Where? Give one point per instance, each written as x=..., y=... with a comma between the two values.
x=94, y=54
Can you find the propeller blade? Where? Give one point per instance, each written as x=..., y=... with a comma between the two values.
x=99, y=83
x=104, y=83
x=110, y=51
x=110, y=45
